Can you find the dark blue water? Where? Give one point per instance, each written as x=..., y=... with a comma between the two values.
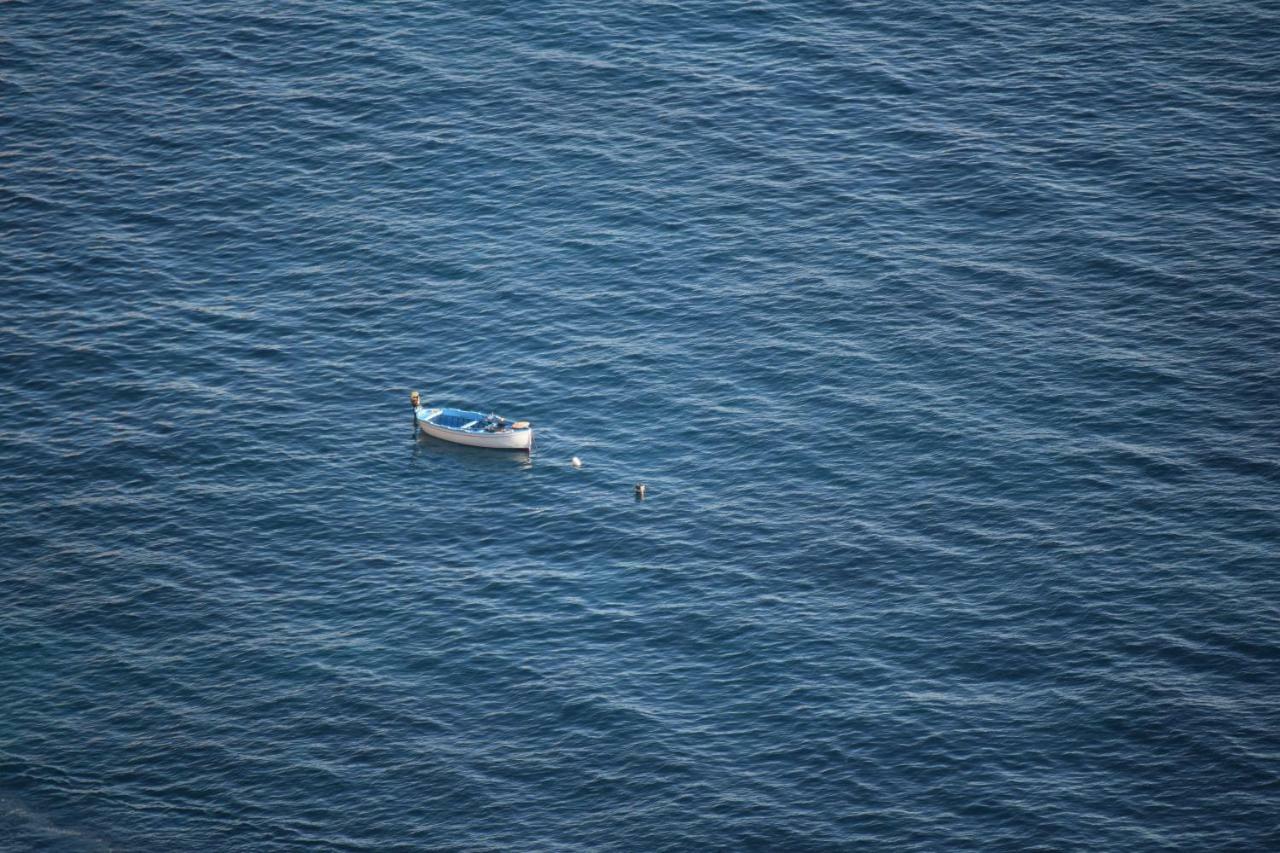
x=946, y=336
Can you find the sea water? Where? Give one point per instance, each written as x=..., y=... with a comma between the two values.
x=943, y=334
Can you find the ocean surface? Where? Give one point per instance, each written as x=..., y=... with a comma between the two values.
x=945, y=335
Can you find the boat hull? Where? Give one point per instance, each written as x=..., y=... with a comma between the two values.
x=511, y=439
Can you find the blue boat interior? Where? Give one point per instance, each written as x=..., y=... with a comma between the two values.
x=472, y=421
x=457, y=418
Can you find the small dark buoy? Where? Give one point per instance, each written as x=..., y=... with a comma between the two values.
x=640, y=491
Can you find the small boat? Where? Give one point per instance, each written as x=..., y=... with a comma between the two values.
x=472, y=428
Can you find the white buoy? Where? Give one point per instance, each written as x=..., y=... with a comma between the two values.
x=575, y=462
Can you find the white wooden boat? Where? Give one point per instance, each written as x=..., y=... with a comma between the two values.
x=472, y=428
